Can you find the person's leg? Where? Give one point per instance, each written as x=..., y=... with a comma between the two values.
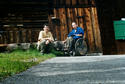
x=50, y=47
x=72, y=48
x=73, y=44
x=69, y=43
x=38, y=46
x=42, y=46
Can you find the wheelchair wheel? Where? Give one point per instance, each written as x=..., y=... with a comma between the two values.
x=80, y=47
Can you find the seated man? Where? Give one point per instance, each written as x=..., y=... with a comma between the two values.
x=45, y=40
x=75, y=34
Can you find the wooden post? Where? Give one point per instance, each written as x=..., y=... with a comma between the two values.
x=17, y=36
x=11, y=36
x=69, y=19
x=96, y=30
x=63, y=22
x=73, y=2
x=81, y=17
x=68, y=2
x=14, y=37
x=58, y=33
x=89, y=30
x=1, y=39
x=30, y=35
x=76, y=14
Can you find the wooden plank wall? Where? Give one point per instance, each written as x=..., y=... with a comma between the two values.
x=109, y=11
x=85, y=18
x=119, y=8
x=22, y=36
x=21, y=21
x=33, y=16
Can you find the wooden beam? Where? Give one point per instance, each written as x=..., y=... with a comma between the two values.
x=96, y=29
x=89, y=30
x=74, y=6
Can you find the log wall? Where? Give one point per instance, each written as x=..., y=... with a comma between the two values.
x=22, y=36
x=109, y=11
x=24, y=19
x=85, y=17
x=21, y=21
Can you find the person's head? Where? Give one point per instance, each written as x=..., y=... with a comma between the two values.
x=74, y=25
x=46, y=28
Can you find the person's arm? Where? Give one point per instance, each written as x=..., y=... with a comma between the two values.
x=40, y=36
x=51, y=37
x=71, y=34
x=80, y=32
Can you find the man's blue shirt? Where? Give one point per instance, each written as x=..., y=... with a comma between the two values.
x=79, y=30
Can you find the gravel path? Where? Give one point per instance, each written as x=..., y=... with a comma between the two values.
x=74, y=70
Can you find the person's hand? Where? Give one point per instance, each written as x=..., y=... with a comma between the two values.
x=48, y=39
x=39, y=40
x=78, y=34
x=73, y=35
x=64, y=41
x=47, y=42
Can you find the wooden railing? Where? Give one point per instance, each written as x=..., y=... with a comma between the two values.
x=22, y=36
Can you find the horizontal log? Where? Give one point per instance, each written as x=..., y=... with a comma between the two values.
x=73, y=6
x=2, y=45
x=26, y=2
x=23, y=1
x=23, y=18
x=25, y=26
x=13, y=22
x=24, y=21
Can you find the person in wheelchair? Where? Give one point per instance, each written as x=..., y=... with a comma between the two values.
x=73, y=36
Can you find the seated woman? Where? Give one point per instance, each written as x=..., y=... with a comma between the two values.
x=45, y=40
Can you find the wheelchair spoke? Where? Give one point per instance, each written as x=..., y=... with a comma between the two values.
x=81, y=47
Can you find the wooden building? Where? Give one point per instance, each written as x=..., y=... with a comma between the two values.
x=21, y=21
x=84, y=13
x=109, y=11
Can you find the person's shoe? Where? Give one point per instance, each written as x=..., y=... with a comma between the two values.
x=66, y=53
x=70, y=53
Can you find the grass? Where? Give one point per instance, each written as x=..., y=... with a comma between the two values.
x=20, y=60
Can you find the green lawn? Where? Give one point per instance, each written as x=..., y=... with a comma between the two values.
x=19, y=60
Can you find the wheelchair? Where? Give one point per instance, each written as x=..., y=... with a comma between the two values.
x=80, y=48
